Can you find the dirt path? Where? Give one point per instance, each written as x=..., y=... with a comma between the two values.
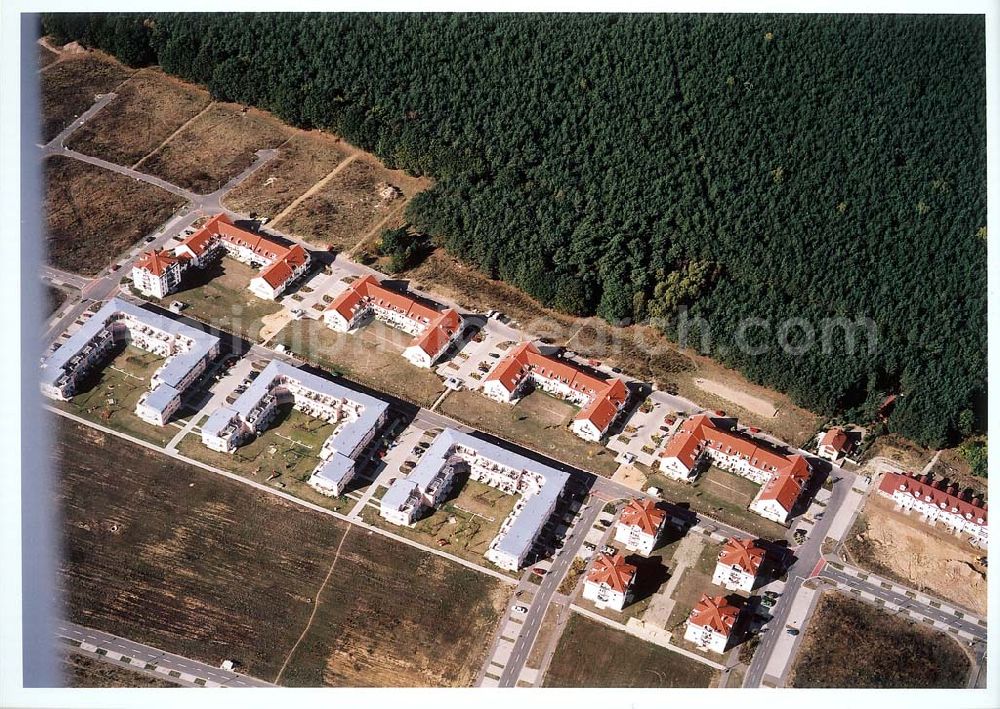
x=315, y=605
x=314, y=189
x=375, y=229
x=170, y=137
x=754, y=404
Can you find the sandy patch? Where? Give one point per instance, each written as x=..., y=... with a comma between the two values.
x=754, y=404
x=929, y=557
x=273, y=323
x=629, y=477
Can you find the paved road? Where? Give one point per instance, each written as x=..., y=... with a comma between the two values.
x=56, y=144
x=544, y=592
x=142, y=655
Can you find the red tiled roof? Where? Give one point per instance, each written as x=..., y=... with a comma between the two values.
x=643, y=514
x=786, y=486
x=613, y=571
x=156, y=262
x=440, y=326
x=742, y=553
x=606, y=396
x=893, y=482
x=835, y=438
x=716, y=613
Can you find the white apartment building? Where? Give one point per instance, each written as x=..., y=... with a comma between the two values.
x=936, y=503
x=609, y=582
x=640, y=525
x=158, y=274
x=187, y=352
x=433, y=330
x=833, y=444
x=356, y=417
x=711, y=623
x=538, y=486
x=739, y=565
x=601, y=400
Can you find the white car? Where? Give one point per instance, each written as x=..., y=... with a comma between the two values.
x=520, y=609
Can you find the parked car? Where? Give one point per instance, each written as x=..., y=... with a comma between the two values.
x=520, y=609
x=539, y=570
x=791, y=631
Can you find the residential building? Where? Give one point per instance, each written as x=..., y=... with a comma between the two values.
x=158, y=274
x=640, y=525
x=356, y=418
x=938, y=502
x=538, y=485
x=609, y=582
x=711, y=623
x=433, y=330
x=833, y=444
x=600, y=400
x=739, y=565
x=782, y=477
x=187, y=352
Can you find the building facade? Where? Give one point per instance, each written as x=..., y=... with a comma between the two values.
x=187, y=352
x=640, y=525
x=538, y=486
x=711, y=623
x=833, y=445
x=433, y=330
x=609, y=582
x=739, y=565
x=938, y=503
x=356, y=417
x=158, y=274
x=783, y=478
x=601, y=401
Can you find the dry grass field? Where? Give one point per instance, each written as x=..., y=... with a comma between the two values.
x=45, y=56
x=350, y=206
x=590, y=654
x=216, y=146
x=538, y=421
x=394, y=616
x=850, y=644
x=69, y=88
x=372, y=356
x=93, y=215
x=903, y=548
x=303, y=161
x=81, y=671
x=148, y=108
x=170, y=555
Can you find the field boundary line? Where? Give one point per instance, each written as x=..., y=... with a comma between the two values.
x=312, y=616
x=170, y=137
x=320, y=184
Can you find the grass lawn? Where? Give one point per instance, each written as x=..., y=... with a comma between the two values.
x=93, y=215
x=469, y=520
x=696, y=580
x=147, y=109
x=538, y=421
x=851, y=644
x=109, y=396
x=55, y=297
x=219, y=296
x=185, y=560
x=371, y=356
x=590, y=654
x=718, y=494
x=288, y=450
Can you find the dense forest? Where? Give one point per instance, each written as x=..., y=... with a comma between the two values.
x=727, y=170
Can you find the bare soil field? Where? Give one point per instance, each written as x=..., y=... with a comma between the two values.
x=372, y=356
x=538, y=421
x=216, y=146
x=179, y=558
x=148, y=108
x=639, y=350
x=590, y=654
x=394, y=616
x=351, y=205
x=907, y=454
x=45, y=56
x=82, y=671
x=903, y=548
x=953, y=466
x=749, y=402
x=93, y=215
x=68, y=88
x=850, y=644
x=303, y=161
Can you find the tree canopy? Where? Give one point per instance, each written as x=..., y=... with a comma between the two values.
x=739, y=168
